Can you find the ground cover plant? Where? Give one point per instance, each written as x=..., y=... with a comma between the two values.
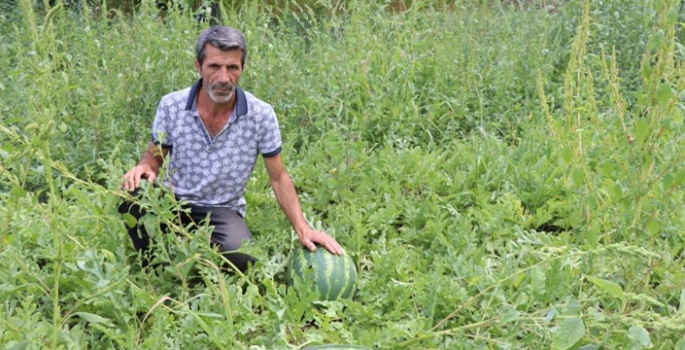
x=502, y=176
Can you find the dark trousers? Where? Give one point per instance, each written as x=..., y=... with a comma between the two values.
x=229, y=231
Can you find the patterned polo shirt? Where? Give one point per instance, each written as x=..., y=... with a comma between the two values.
x=210, y=171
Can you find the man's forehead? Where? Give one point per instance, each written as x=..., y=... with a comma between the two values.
x=211, y=48
x=216, y=55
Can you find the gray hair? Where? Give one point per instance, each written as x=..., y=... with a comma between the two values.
x=224, y=39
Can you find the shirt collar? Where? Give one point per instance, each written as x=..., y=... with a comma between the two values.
x=240, y=99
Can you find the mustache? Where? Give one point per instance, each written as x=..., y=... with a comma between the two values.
x=224, y=86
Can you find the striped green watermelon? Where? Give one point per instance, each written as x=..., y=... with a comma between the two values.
x=331, y=276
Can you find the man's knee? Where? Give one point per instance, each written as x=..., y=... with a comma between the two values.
x=228, y=244
x=228, y=247
x=240, y=260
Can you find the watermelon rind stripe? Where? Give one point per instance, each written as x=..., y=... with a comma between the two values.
x=326, y=274
x=340, y=282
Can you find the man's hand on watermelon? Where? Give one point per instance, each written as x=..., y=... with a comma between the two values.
x=309, y=238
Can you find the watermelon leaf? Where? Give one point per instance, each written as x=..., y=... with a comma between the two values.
x=680, y=345
x=640, y=336
x=570, y=331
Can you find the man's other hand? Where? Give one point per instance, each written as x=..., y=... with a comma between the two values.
x=132, y=177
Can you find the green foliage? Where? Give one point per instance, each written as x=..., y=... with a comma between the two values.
x=501, y=177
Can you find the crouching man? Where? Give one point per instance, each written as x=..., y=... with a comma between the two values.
x=212, y=134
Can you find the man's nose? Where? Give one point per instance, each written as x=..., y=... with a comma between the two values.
x=224, y=75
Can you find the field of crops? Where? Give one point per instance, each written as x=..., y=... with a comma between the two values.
x=503, y=177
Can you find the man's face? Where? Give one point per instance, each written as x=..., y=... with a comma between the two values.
x=220, y=72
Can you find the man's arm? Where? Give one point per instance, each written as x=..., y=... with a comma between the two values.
x=147, y=168
x=287, y=198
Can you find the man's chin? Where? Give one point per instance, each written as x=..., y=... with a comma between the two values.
x=220, y=98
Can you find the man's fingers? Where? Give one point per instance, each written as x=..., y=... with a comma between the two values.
x=333, y=246
x=150, y=176
x=326, y=241
x=136, y=179
x=309, y=244
x=128, y=181
x=132, y=179
x=140, y=174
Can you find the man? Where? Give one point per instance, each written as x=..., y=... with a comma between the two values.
x=213, y=133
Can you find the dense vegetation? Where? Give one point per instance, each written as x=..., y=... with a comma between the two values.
x=503, y=177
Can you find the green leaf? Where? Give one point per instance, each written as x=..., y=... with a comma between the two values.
x=570, y=331
x=658, y=37
x=664, y=93
x=681, y=49
x=654, y=226
x=680, y=178
x=668, y=181
x=18, y=192
x=209, y=314
x=672, y=15
x=550, y=315
x=647, y=71
x=608, y=169
x=578, y=177
x=640, y=336
x=20, y=346
x=129, y=220
x=567, y=155
x=608, y=286
x=589, y=347
x=537, y=280
x=617, y=191
x=92, y=318
x=641, y=130
x=510, y=316
x=573, y=307
x=680, y=345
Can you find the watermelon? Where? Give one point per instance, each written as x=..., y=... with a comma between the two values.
x=331, y=276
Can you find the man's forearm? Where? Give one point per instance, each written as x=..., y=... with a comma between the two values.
x=153, y=157
x=290, y=204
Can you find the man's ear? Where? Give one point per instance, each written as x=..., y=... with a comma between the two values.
x=198, y=66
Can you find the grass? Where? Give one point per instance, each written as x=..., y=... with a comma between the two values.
x=502, y=177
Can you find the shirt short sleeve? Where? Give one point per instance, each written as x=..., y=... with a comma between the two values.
x=269, y=144
x=161, y=126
